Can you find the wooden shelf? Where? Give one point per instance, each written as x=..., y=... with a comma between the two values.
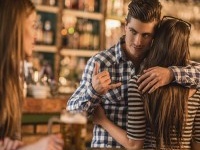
x=77, y=52
x=48, y=9
x=45, y=48
x=83, y=14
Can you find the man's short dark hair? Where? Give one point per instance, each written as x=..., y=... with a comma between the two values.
x=144, y=10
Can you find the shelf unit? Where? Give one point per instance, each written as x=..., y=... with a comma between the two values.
x=86, y=15
x=57, y=48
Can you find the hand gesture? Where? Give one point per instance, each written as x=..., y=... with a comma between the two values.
x=154, y=78
x=101, y=81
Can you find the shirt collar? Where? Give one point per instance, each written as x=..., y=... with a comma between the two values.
x=120, y=55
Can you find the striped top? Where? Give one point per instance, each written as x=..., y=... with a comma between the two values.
x=138, y=130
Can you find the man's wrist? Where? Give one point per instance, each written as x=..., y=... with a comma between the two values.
x=171, y=75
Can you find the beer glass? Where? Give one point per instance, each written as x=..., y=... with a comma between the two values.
x=72, y=127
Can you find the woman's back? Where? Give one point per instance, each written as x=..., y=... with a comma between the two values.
x=191, y=130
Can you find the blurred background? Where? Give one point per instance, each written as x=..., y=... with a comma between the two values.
x=69, y=33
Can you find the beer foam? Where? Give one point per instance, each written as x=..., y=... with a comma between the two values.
x=75, y=118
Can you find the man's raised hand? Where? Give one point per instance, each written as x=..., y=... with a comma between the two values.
x=101, y=81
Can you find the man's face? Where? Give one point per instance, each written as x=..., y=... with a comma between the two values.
x=139, y=36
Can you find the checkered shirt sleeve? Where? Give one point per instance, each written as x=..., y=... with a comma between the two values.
x=188, y=76
x=85, y=97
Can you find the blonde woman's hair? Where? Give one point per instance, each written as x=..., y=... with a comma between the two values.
x=12, y=17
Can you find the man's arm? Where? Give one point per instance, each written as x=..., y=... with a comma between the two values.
x=188, y=76
x=94, y=85
x=85, y=97
x=156, y=77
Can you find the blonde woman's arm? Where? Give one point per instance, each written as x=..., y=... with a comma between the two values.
x=115, y=131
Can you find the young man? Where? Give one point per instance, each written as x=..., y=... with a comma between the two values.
x=106, y=76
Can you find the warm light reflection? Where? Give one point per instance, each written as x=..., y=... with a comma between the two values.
x=110, y=24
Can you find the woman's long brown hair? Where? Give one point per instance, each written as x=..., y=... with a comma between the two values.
x=12, y=16
x=166, y=108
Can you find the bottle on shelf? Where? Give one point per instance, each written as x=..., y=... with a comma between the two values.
x=63, y=33
x=89, y=5
x=96, y=37
x=71, y=4
x=50, y=2
x=39, y=34
x=48, y=33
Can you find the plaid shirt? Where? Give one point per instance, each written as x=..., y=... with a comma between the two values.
x=115, y=102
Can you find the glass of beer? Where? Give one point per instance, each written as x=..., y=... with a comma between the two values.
x=72, y=127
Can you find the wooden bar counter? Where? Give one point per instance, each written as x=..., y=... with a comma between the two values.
x=37, y=112
x=48, y=105
x=40, y=110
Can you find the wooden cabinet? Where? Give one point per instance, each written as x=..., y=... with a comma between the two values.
x=78, y=32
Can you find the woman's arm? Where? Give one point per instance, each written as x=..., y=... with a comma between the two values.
x=50, y=142
x=116, y=132
x=195, y=146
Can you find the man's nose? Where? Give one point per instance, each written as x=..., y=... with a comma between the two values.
x=138, y=40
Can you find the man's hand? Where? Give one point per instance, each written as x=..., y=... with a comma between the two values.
x=101, y=81
x=154, y=78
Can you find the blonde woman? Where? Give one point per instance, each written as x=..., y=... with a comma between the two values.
x=17, y=37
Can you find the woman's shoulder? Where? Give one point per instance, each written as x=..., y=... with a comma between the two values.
x=134, y=78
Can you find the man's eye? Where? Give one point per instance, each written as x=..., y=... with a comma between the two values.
x=146, y=36
x=133, y=32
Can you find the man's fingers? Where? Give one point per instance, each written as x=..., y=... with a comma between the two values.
x=149, y=86
x=96, y=68
x=156, y=86
x=145, y=81
x=143, y=77
x=103, y=74
x=114, y=86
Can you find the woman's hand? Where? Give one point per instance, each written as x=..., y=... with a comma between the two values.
x=9, y=144
x=51, y=142
x=99, y=116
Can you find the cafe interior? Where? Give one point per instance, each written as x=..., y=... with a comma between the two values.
x=69, y=33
